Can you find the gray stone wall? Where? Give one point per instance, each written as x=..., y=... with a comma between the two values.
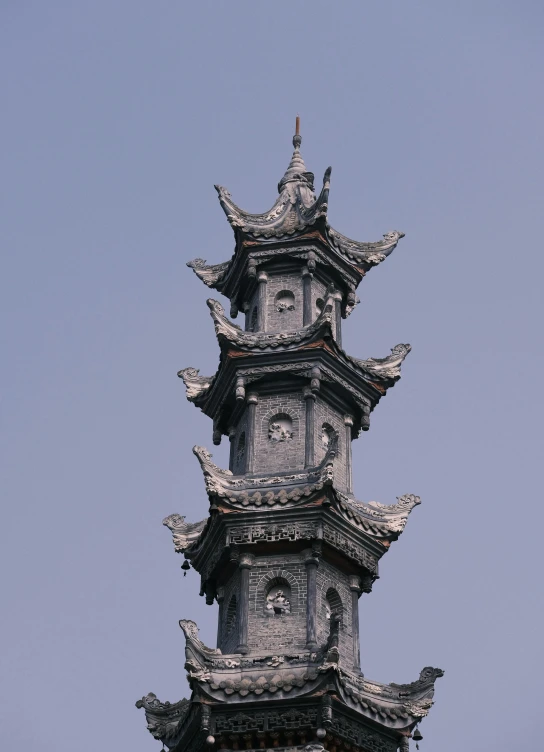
x=276, y=456
x=325, y=413
x=285, y=320
x=277, y=633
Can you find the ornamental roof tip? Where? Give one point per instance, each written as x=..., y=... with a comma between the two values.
x=375, y=518
x=184, y=533
x=164, y=719
x=295, y=210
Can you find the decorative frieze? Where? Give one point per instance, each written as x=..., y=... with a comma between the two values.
x=291, y=531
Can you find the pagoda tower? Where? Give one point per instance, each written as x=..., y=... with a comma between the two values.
x=286, y=549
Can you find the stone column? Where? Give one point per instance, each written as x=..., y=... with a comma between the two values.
x=404, y=744
x=311, y=562
x=348, y=423
x=220, y=596
x=307, y=312
x=244, y=563
x=355, y=587
x=309, y=451
x=337, y=295
x=251, y=432
x=232, y=440
x=262, y=279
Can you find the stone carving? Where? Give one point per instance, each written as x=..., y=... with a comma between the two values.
x=278, y=431
x=385, y=369
x=210, y=275
x=184, y=534
x=195, y=385
x=350, y=548
x=381, y=520
x=274, y=532
x=164, y=719
x=357, y=734
x=277, y=603
x=239, y=722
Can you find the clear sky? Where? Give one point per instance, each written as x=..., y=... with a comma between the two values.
x=117, y=119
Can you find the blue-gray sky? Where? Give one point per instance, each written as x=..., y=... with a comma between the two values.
x=117, y=119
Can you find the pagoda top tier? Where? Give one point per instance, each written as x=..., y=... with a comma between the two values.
x=296, y=216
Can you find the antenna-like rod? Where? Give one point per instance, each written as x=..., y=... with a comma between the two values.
x=297, y=126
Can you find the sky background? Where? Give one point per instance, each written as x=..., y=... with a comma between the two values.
x=117, y=118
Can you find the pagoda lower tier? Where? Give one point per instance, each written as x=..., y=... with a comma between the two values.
x=303, y=700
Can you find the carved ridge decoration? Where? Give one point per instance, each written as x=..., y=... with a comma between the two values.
x=195, y=385
x=378, y=518
x=231, y=333
x=267, y=490
x=164, y=719
x=211, y=275
x=295, y=209
x=184, y=533
x=385, y=369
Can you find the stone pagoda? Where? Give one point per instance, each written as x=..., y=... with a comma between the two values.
x=286, y=549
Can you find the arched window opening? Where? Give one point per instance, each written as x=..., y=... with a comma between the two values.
x=278, y=599
x=280, y=428
x=328, y=434
x=319, y=305
x=333, y=604
x=230, y=622
x=285, y=301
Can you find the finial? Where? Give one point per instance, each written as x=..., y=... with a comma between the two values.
x=297, y=139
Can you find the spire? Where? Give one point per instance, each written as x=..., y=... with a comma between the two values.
x=297, y=169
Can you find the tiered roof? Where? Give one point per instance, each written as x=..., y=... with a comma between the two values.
x=297, y=215
x=220, y=678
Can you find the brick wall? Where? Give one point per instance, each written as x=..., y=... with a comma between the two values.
x=286, y=455
x=277, y=634
x=284, y=321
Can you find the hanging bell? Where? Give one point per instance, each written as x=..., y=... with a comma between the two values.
x=417, y=735
x=185, y=566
